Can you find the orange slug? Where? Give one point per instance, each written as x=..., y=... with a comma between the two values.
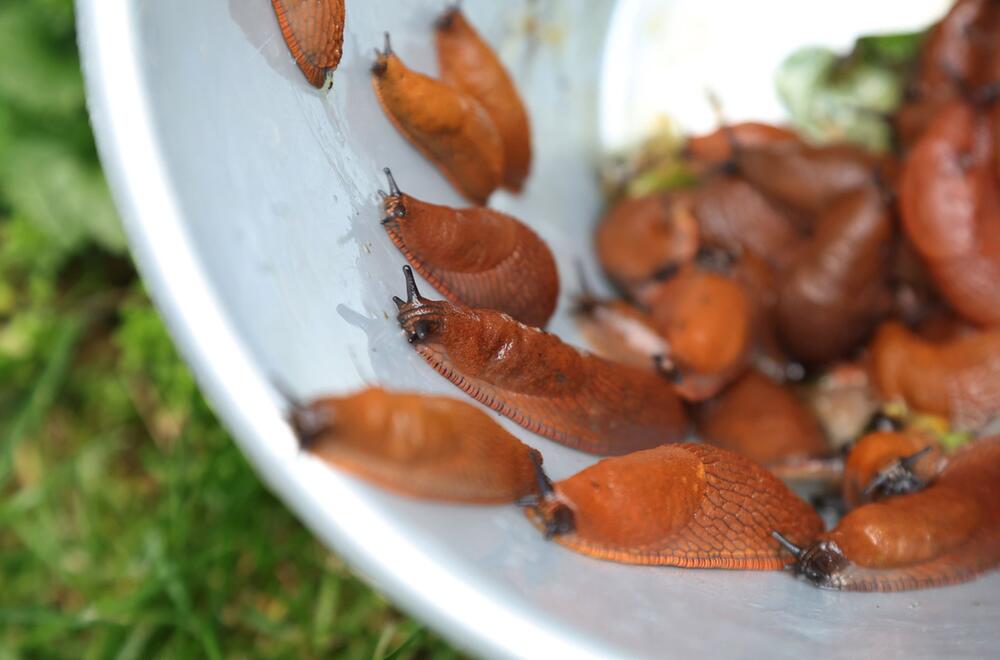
x=477, y=257
x=803, y=177
x=734, y=216
x=831, y=297
x=760, y=280
x=879, y=454
x=958, y=379
x=947, y=55
x=314, y=32
x=950, y=207
x=687, y=505
x=716, y=148
x=546, y=386
x=641, y=236
x=707, y=320
x=448, y=126
x=762, y=420
x=914, y=295
x=428, y=447
x=469, y=64
x=944, y=534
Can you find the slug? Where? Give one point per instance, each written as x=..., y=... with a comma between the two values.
x=958, y=379
x=641, y=236
x=947, y=55
x=314, y=33
x=427, y=447
x=886, y=463
x=734, y=216
x=447, y=126
x=950, y=208
x=944, y=534
x=470, y=65
x=477, y=257
x=707, y=320
x=805, y=178
x=546, y=386
x=716, y=148
x=830, y=298
x=762, y=420
x=687, y=505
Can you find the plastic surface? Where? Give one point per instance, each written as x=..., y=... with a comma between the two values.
x=250, y=202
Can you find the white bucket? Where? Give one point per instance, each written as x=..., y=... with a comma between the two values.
x=251, y=206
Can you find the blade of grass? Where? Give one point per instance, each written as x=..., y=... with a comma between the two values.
x=407, y=643
x=43, y=393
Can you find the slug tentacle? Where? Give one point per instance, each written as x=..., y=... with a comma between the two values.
x=898, y=478
x=795, y=550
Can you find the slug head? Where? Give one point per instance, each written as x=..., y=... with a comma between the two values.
x=382, y=57
x=820, y=564
x=310, y=422
x=447, y=19
x=393, y=203
x=419, y=317
x=552, y=515
x=898, y=478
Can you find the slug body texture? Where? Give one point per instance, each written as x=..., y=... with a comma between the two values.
x=314, y=33
x=641, y=236
x=734, y=216
x=762, y=420
x=958, y=379
x=422, y=446
x=477, y=257
x=686, y=505
x=716, y=148
x=944, y=534
x=448, y=126
x=469, y=64
x=832, y=295
x=805, y=178
x=950, y=205
x=543, y=384
x=707, y=320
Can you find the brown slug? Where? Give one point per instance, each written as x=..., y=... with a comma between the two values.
x=477, y=257
x=688, y=505
x=543, y=384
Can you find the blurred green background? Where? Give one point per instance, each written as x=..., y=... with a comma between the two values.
x=130, y=525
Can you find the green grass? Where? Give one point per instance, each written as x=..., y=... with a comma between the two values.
x=130, y=525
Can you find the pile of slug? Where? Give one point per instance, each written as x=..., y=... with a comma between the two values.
x=789, y=312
